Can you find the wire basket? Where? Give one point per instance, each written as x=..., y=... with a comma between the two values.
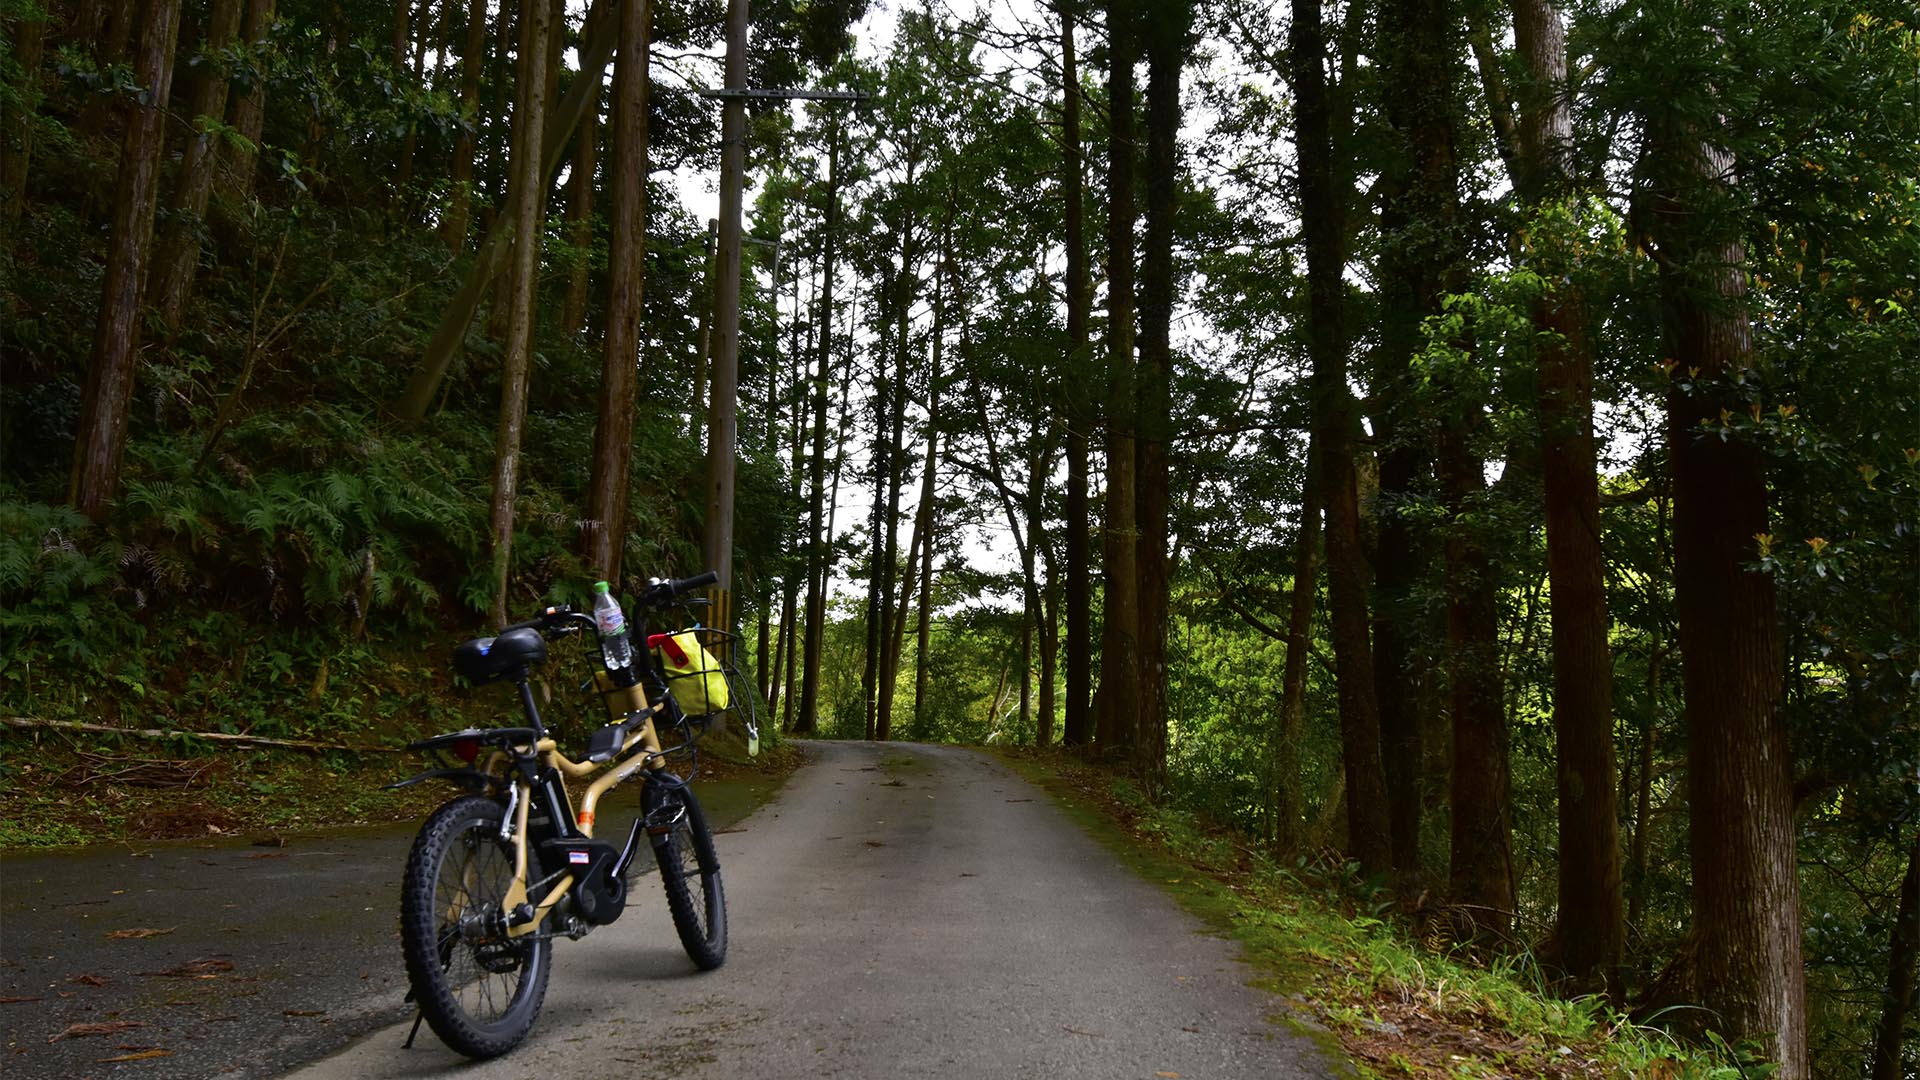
x=705, y=686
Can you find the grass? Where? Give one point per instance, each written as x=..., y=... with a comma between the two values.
x=1347, y=971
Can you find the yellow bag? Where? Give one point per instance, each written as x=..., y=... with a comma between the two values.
x=691, y=672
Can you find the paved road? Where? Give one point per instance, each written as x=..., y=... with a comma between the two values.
x=897, y=911
x=273, y=956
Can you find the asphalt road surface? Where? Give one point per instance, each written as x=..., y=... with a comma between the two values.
x=222, y=958
x=897, y=911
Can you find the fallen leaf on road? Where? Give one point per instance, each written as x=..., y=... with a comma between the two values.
x=155, y=1052
x=1019, y=800
x=876, y=843
x=1169, y=1075
x=109, y=1027
x=268, y=855
x=138, y=932
x=204, y=968
x=303, y=1012
x=17, y=1000
x=89, y=980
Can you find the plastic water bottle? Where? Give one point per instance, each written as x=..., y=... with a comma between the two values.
x=614, y=642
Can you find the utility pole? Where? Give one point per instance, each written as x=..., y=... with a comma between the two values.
x=723, y=399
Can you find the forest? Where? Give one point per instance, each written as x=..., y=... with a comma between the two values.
x=1472, y=446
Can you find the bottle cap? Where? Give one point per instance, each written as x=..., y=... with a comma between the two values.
x=600, y=586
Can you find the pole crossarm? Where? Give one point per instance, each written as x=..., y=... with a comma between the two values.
x=785, y=95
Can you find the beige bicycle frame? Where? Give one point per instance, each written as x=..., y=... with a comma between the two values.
x=646, y=740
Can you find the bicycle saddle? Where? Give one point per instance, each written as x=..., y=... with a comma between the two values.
x=508, y=656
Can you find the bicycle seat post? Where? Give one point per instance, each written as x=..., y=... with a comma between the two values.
x=526, y=701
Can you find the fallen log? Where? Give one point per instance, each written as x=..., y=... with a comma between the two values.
x=28, y=722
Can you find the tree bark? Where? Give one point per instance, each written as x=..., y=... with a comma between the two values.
x=101, y=435
x=1120, y=704
x=923, y=514
x=453, y=228
x=806, y=721
x=16, y=131
x=1901, y=973
x=528, y=193
x=1399, y=562
x=1166, y=27
x=178, y=259
x=1289, y=804
x=247, y=114
x=608, y=487
x=1591, y=936
x=596, y=49
x=1078, y=730
x=573, y=313
x=1481, y=878
x=1746, y=892
x=1323, y=210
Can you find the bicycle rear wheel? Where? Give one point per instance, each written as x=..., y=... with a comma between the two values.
x=478, y=989
x=690, y=871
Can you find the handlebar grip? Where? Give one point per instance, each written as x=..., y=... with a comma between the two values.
x=547, y=622
x=689, y=584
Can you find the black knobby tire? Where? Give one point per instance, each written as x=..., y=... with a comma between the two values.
x=478, y=989
x=690, y=871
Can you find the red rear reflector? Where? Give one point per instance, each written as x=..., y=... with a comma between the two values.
x=467, y=750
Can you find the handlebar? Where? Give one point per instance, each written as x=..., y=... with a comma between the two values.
x=660, y=592
x=566, y=619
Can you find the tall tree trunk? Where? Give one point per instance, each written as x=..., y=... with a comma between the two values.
x=573, y=313
x=400, y=52
x=1049, y=652
x=877, y=524
x=453, y=228
x=528, y=193
x=16, y=129
x=923, y=514
x=117, y=21
x=247, y=114
x=1643, y=787
x=1119, y=640
x=1481, y=879
x=1422, y=259
x=923, y=638
x=597, y=42
x=1039, y=465
x=889, y=545
x=610, y=483
x=178, y=260
x=1323, y=210
x=1166, y=26
x=1903, y=956
x=928, y=510
x=1079, y=413
x=1288, y=799
x=807, y=722
x=1746, y=893
x=100, y=437
x=799, y=412
x=1591, y=935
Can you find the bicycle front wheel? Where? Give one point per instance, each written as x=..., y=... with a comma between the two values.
x=690, y=871
x=478, y=989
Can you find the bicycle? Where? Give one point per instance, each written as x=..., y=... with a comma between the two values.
x=495, y=875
